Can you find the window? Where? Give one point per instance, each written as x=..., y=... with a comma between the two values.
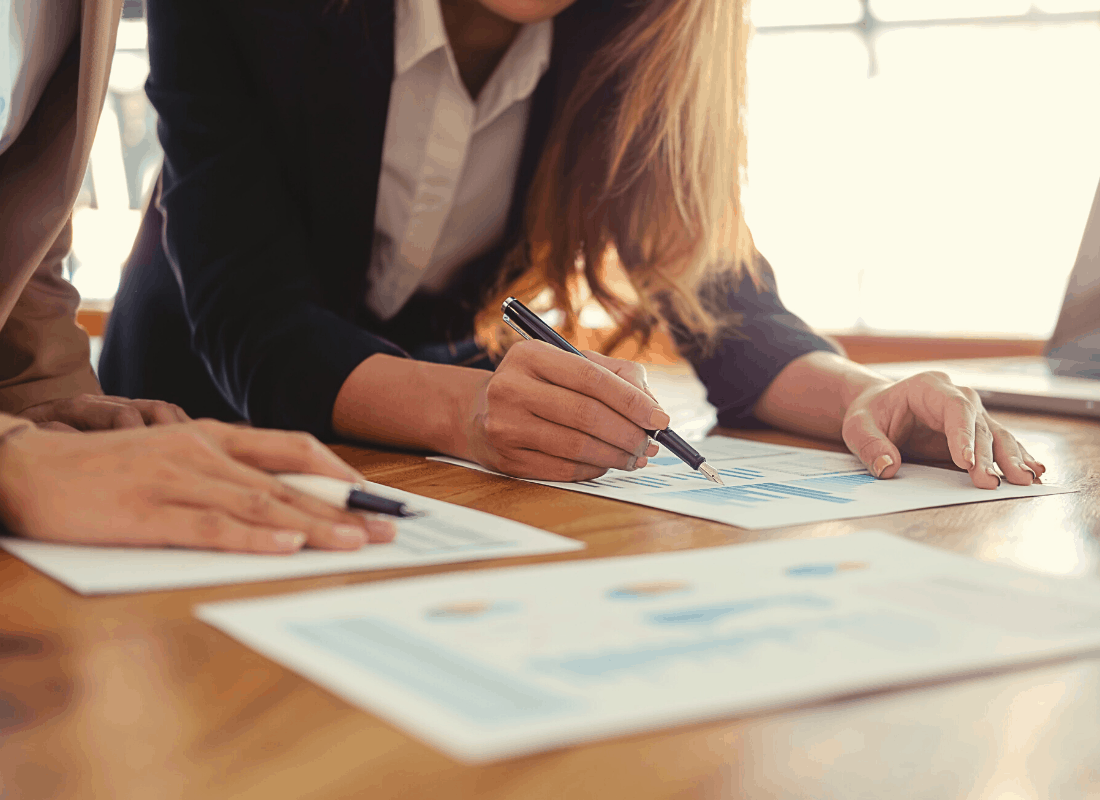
x=928, y=167
x=914, y=165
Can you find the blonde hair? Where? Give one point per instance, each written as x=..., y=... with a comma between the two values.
x=641, y=178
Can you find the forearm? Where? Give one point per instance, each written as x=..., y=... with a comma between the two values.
x=812, y=393
x=406, y=403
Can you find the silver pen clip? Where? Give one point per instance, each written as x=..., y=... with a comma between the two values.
x=515, y=327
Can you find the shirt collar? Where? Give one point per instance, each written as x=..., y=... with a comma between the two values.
x=418, y=31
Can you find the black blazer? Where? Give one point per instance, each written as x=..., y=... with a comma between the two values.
x=244, y=296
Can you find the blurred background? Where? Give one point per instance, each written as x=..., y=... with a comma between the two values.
x=920, y=167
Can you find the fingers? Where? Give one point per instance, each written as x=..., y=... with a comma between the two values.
x=60, y=427
x=572, y=445
x=93, y=412
x=157, y=412
x=1037, y=466
x=207, y=529
x=983, y=475
x=542, y=467
x=282, y=508
x=277, y=451
x=598, y=382
x=863, y=437
x=960, y=416
x=1011, y=458
x=591, y=417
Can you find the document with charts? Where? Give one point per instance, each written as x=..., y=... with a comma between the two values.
x=768, y=486
x=445, y=534
x=501, y=662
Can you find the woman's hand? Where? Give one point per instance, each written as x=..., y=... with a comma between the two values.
x=549, y=415
x=929, y=417
x=98, y=412
x=200, y=484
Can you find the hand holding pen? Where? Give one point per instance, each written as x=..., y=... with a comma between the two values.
x=549, y=415
x=527, y=324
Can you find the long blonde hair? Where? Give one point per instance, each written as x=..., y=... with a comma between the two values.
x=641, y=177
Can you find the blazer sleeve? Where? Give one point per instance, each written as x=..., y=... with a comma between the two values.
x=760, y=338
x=234, y=234
x=44, y=353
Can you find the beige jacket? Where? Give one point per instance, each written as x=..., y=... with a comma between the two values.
x=43, y=352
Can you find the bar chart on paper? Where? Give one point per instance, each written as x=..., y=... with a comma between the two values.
x=770, y=486
x=504, y=662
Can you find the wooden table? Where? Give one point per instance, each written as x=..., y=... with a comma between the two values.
x=130, y=697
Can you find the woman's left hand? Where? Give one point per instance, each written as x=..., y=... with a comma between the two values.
x=928, y=417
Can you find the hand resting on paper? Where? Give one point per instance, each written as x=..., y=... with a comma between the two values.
x=199, y=484
x=924, y=416
x=927, y=416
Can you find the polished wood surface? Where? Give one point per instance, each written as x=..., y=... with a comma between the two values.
x=131, y=697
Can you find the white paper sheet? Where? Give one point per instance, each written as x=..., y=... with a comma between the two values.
x=509, y=661
x=448, y=534
x=769, y=486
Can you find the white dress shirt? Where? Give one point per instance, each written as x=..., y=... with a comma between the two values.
x=34, y=35
x=449, y=162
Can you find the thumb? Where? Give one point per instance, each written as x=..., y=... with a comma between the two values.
x=864, y=438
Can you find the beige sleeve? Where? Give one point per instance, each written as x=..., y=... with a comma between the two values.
x=44, y=354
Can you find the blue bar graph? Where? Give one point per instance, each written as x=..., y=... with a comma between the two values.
x=848, y=482
x=755, y=493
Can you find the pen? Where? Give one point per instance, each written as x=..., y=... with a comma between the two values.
x=344, y=495
x=527, y=324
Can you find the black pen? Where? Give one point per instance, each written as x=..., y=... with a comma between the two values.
x=342, y=494
x=527, y=324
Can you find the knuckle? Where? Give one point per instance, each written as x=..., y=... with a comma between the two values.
x=585, y=413
x=575, y=446
x=933, y=376
x=591, y=378
x=209, y=528
x=259, y=504
x=496, y=430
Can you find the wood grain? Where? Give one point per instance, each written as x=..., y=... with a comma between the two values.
x=131, y=697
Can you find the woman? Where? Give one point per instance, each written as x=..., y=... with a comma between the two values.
x=351, y=187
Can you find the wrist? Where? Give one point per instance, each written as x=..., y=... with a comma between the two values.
x=409, y=404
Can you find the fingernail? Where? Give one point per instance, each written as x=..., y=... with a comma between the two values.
x=968, y=456
x=349, y=535
x=993, y=472
x=641, y=462
x=881, y=463
x=289, y=540
x=659, y=420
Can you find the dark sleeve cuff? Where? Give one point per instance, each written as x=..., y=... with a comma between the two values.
x=298, y=390
x=763, y=337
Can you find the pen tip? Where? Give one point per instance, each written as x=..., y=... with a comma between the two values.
x=711, y=473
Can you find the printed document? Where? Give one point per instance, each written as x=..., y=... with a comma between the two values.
x=501, y=662
x=769, y=486
x=445, y=534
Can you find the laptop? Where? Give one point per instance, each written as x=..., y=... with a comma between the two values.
x=1066, y=379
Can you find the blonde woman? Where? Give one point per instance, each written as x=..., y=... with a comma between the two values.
x=350, y=188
